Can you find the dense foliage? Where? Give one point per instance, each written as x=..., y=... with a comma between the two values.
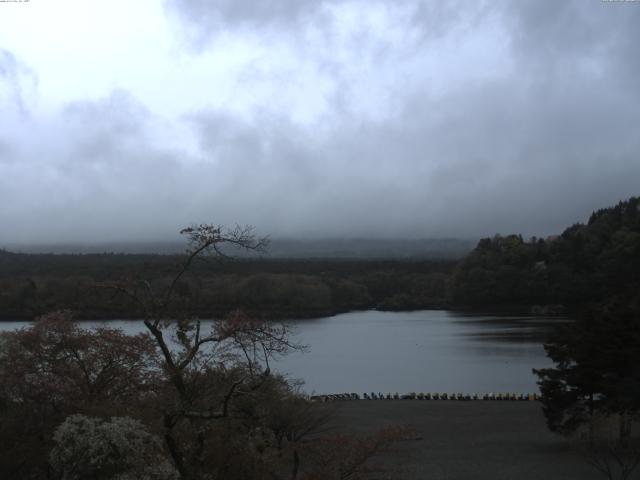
x=75, y=403
x=585, y=263
x=31, y=285
x=597, y=367
x=55, y=369
x=595, y=270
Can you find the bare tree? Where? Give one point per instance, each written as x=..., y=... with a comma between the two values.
x=208, y=368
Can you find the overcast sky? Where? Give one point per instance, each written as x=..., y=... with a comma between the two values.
x=124, y=120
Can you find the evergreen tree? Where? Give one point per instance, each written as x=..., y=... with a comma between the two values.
x=597, y=368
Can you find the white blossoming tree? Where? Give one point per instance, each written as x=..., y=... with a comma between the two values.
x=116, y=449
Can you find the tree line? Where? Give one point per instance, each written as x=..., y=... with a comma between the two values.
x=587, y=262
x=33, y=284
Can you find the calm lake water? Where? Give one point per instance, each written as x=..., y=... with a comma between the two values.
x=428, y=351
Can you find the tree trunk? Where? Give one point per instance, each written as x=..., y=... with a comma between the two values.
x=174, y=451
x=592, y=432
x=625, y=429
x=296, y=465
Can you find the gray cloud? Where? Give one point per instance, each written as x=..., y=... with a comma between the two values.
x=232, y=13
x=504, y=158
x=15, y=78
x=246, y=11
x=528, y=138
x=576, y=37
x=287, y=14
x=202, y=20
x=94, y=173
x=467, y=174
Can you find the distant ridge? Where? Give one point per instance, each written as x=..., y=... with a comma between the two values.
x=358, y=248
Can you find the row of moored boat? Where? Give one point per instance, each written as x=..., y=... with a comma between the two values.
x=427, y=396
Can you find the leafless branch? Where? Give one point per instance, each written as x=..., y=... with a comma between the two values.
x=609, y=460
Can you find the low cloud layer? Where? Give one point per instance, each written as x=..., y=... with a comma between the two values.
x=335, y=118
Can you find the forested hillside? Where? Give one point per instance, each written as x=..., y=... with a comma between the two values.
x=31, y=285
x=587, y=262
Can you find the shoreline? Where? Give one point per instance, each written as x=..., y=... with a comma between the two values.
x=494, y=310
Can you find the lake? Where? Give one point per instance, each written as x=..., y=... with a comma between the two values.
x=421, y=351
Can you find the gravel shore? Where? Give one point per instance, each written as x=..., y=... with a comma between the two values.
x=477, y=440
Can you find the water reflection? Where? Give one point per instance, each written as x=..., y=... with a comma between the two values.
x=420, y=351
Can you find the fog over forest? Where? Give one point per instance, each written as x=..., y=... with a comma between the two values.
x=126, y=121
